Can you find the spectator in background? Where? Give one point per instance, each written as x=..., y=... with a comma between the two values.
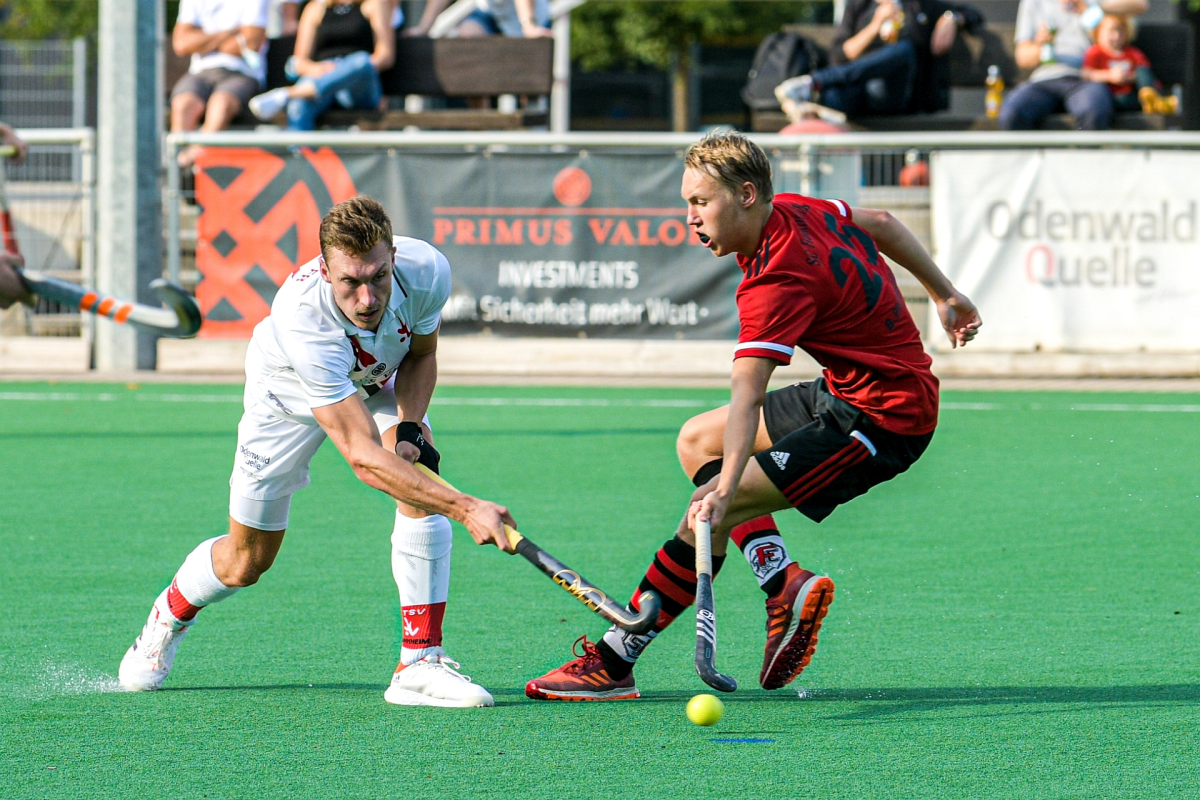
x=1112, y=61
x=226, y=40
x=887, y=57
x=12, y=288
x=283, y=18
x=341, y=47
x=513, y=18
x=1051, y=40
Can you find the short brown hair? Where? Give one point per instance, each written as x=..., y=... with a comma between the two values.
x=355, y=226
x=732, y=160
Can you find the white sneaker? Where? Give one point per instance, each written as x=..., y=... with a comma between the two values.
x=434, y=681
x=148, y=662
x=798, y=90
x=267, y=105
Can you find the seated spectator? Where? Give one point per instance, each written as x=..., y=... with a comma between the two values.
x=12, y=288
x=1112, y=61
x=341, y=47
x=226, y=40
x=513, y=18
x=283, y=18
x=1051, y=40
x=887, y=58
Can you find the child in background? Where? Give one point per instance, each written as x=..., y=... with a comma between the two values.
x=1111, y=60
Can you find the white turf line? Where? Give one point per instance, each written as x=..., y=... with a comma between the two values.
x=108, y=397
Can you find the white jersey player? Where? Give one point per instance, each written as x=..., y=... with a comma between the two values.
x=349, y=353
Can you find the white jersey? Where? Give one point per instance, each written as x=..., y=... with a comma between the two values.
x=306, y=354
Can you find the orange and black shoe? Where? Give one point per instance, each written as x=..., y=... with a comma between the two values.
x=793, y=619
x=585, y=678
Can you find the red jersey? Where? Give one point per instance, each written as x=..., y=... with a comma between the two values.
x=1097, y=58
x=817, y=282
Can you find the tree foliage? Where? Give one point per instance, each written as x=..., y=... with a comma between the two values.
x=48, y=19
x=607, y=34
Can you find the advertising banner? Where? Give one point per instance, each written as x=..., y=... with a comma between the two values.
x=540, y=243
x=1072, y=249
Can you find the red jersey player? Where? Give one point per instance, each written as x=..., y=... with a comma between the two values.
x=814, y=279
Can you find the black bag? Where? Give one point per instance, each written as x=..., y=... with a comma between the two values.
x=781, y=56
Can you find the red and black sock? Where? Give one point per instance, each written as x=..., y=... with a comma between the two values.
x=758, y=539
x=672, y=576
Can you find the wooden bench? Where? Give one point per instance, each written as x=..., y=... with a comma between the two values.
x=1168, y=45
x=446, y=68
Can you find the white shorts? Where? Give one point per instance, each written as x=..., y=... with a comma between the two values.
x=273, y=454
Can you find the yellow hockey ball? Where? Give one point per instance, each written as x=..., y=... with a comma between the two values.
x=705, y=710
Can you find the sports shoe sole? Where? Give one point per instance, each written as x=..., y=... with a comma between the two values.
x=405, y=697
x=800, y=641
x=577, y=697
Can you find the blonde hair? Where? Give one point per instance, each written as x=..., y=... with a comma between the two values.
x=1121, y=19
x=732, y=160
x=355, y=226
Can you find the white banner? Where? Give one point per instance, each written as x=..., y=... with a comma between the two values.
x=1072, y=249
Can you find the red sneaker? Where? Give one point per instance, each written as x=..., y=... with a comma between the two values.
x=792, y=636
x=585, y=678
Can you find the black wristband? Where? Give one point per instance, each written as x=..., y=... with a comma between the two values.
x=411, y=432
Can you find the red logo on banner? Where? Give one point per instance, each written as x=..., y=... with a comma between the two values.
x=260, y=220
x=572, y=187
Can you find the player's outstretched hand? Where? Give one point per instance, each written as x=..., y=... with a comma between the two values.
x=485, y=522
x=960, y=318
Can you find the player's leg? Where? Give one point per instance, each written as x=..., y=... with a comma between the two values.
x=212, y=572
x=270, y=464
x=604, y=671
x=421, y=548
x=701, y=445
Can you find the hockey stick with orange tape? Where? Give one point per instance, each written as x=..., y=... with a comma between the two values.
x=181, y=318
x=575, y=584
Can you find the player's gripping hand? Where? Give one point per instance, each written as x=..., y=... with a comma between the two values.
x=711, y=508
x=412, y=444
x=485, y=522
x=959, y=317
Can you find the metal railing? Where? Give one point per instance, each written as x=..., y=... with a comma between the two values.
x=862, y=168
x=52, y=199
x=43, y=84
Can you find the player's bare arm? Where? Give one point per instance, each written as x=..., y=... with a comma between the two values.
x=749, y=390
x=349, y=424
x=958, y=314
x=416, y=378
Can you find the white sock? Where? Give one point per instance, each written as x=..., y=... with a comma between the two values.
x=195, y=586
x=421, y=567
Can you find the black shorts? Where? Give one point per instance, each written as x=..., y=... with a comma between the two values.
x=825, y=451
x=218, y=79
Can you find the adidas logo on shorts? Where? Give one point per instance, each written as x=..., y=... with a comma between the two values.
x=779, y=458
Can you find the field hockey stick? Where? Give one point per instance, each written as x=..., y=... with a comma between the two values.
x=572, y=582
x=706, y=617
x=179, y=320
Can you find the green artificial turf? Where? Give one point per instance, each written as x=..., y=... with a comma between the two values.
x=1016, y=617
